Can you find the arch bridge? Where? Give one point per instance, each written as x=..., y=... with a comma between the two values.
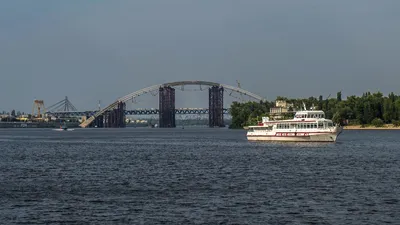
x=114, y=114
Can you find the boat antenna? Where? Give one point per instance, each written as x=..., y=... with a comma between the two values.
x=304, y=105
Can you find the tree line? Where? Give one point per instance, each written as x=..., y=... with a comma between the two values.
x=369, y=109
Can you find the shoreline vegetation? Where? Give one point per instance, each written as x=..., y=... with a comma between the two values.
x=371, y=127
x=371, y=111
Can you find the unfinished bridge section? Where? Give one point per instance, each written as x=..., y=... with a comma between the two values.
x=112, y=115
x=216, y=106
x=167, y=107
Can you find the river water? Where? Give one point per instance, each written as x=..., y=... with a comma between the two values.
x=196, y=176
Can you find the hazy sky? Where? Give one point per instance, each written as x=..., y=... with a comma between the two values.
x=102, y=50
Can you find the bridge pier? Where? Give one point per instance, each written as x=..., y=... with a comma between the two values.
x=99, y=121
x=115, y=118
x=166, y=107
x=216, y=106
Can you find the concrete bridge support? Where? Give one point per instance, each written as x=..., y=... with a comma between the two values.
x=167, y=107
x=98, y=122
x=115, y=118
x=216, y=106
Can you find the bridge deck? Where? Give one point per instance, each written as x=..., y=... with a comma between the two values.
x=139, y=112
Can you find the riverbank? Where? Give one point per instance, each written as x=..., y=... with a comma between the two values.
x=360, y=127
x=36, y=125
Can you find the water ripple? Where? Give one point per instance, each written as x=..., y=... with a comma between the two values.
x=196, y=176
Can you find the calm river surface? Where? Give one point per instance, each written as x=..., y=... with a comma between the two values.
x=196, y=176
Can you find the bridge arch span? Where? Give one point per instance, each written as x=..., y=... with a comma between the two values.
x=169, y=84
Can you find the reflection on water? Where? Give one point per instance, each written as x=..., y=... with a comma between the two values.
x=295, y=144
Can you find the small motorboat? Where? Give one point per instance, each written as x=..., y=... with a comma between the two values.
x=63, y=128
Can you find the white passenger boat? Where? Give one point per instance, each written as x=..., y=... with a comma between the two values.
x=306, y=126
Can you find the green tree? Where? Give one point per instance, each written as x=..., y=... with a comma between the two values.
x=387, y=110
x=339, y=96
x=377, y=122
x=320, y=102
x=357, y=110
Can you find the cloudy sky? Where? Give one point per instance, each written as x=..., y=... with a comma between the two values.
x=102, y=50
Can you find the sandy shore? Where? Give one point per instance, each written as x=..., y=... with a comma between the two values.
x=358, y=127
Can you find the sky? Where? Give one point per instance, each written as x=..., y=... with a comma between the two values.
x=103, y=50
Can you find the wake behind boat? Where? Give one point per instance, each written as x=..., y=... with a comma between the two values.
x=63, y=128
x=306, y=126
x=60, y=129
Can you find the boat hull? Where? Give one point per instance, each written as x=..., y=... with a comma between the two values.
x=311, y=138
x=63, y=129
x=298, y=136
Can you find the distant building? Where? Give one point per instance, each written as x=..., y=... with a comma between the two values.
x=281, y=107
x=278, y=110
x=280, y=104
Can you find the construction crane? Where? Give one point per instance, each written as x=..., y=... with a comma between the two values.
x=39, y=106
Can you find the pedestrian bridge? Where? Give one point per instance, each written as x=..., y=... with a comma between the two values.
x=113, y=114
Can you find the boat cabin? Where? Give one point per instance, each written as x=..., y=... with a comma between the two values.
x=317, y=114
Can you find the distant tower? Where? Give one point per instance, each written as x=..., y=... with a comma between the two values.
x=38, y=105
x=62, y=106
